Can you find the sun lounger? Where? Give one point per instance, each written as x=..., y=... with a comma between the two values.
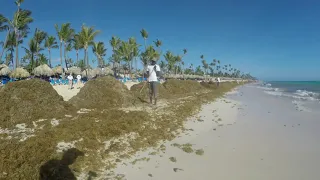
x=52, y=82
x=4, y=81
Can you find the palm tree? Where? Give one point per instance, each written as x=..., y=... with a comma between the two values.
x=184, y=53
x=65, y=34
x=30, y=51
x=171, y=60
x=68, y=48
x=19, y=24
x=199, y=71
x=77, y=45
x=125, y=52
x=212, y=66
x=99, y=51
x=86, y=37
x=134, y=48
x=158, y=44
x=145, y=36
x=162, y=65
x=39, y=37
x=135, y=54
x=50, y=43
x=178, y=60
x=9, y=46
x=115, y=43
x=4, y=27
x=205, y=66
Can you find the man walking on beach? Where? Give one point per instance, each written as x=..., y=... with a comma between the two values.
x=218, y=81
x=79, y=80
x=70, y=78
x=153, y=72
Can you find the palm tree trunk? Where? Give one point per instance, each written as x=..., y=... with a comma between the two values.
x=50, y=58
x=85, y=58
x=17, y=48
x=136, y=64
x=32, y=61
x=77, y=56
x=65, y=55
x=144, y=66
x=4, y=45
x=36, y=54
x=60, y=53
x=131, y=67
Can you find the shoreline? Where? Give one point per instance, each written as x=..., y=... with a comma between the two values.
x=264, y=141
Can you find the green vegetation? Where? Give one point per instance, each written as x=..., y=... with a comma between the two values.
x=187, y=148
x=173, y=159
x=141, y=159
x=200, y=152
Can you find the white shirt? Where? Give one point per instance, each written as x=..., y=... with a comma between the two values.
x=152, y=72
x=218, y=79
x=70, y=77
x=78, y=77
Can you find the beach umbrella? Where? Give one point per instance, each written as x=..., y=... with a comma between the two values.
x=74, y=70
x=89, y=73
x=43, y=70
x=103, y=71
x=57, y=70
x=4, y=70
x=19, y=73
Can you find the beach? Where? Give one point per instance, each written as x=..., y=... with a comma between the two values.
x=248, y=134
x=197, y=131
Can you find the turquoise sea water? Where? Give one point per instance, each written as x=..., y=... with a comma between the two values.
x=304, y=89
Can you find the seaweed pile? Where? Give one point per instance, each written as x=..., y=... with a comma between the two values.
x=30, y=100
x=103, y=93
x=178, y=87
x=105, y=122
x=210, y=84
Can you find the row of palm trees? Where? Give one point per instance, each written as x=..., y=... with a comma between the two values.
x=125, y=53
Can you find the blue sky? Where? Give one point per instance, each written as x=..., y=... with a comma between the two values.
x=273, y=40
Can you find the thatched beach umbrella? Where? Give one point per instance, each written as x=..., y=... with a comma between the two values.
x=74, y=70
x=19, y=73
x=57, y=70
x=89, y=73
x=4, y=70
x=103, y=71
x=43, y=70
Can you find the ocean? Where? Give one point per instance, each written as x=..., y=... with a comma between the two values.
x=305, y=95
x=305, y=90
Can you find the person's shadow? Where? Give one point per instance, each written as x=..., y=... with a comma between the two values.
x=59, y=169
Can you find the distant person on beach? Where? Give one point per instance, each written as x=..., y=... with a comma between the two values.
x=153, y=72
x=78, y=80
x=70, y=78
x=218, y=81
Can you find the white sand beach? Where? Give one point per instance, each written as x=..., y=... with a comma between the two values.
x=248, y=135
x=65, y=92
